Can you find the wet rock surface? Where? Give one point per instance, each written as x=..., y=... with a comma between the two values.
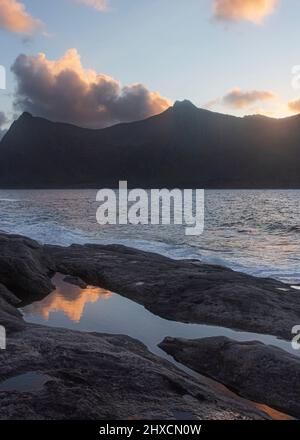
x=24, y=266
x=97, y=376
x=186, y=291
x=116, y=377
x=75, y=281
x=255, y=371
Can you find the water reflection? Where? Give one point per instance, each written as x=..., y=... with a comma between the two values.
x=98, y=310
x=66, y=298
x=25, y=383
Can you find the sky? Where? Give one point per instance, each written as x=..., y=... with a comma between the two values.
x=98, y=62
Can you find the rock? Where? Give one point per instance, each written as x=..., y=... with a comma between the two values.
x=97, y=377
x=24, y=266
x=89, y=376
x=186, y=291
x=10, y=317
x=258, y=372
x=75, y=281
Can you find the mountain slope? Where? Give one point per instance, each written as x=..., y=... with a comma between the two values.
x=184, y=146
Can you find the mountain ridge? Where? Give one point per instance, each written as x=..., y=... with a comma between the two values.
x=185, y=146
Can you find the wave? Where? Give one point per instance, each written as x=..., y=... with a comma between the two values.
x=264, y=245
x=9, y=200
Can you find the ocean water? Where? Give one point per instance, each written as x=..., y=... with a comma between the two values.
x=254, y=231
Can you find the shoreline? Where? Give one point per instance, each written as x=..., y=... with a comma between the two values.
x=262, y=244
x=166, y=287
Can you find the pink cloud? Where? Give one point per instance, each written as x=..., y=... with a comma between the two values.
x=254, y=11
x=238, y=98
x=15, y=18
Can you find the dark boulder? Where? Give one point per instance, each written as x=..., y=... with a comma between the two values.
x=259, y=372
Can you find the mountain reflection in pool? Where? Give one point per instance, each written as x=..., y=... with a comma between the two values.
x=98, y=310
x=68, y=300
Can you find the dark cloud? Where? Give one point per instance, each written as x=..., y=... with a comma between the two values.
x=63, y=90
x=3, y=121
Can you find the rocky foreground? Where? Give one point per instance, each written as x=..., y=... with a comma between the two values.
x=258, y=372
x=94, y=376
x=97, y=376
x=186, y=291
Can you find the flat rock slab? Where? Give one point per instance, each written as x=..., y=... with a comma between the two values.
x=107, y=377
x=49, y=373
x=255, y=371
x=81, y=376
x=186, y=291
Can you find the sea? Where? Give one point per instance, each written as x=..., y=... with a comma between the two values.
x=252, y=231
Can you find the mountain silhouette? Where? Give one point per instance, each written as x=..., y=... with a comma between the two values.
x=183, y=147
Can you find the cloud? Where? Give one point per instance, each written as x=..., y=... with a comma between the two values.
x=253, y=102
x=254, y=11
x=99, y=5
x=15, y=18
x=3, y=121
x=294, y=106
x=63, y=90
x=239, y=99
